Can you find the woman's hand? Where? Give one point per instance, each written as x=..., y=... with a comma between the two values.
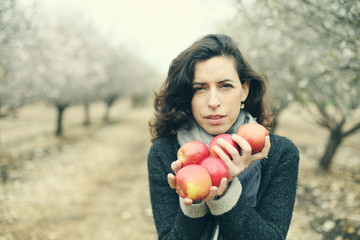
x=240, y=162
x=214, y=191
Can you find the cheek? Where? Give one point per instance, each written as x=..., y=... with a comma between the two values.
x=234, y=99
x=234, y=102
x=195, y=105
x=235, y=114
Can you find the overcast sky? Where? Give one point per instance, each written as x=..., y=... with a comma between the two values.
x=157, y=30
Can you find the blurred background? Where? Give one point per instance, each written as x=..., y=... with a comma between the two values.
x=77, y=81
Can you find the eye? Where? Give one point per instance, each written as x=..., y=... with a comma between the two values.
x=226, y=85
x=198, y=88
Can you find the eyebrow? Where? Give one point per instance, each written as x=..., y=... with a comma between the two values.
x=226, y=80
x=222, y=81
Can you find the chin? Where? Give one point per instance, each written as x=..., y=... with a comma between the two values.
x=216, y=131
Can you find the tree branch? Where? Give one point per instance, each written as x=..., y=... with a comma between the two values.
x=326, y=121
x=354, y=22
x=352, y=130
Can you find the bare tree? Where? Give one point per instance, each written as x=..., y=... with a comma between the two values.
x=334, y=83
x=325, y=35
x=270, y=52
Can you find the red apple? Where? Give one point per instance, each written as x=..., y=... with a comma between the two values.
x=217, y=169
x=193, y=181
x=192, y=152
x=254, y=134
x=226, y=137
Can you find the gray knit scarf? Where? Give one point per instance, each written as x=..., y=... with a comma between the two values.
x=250, y=178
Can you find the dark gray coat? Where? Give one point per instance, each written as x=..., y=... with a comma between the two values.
x=269, y=219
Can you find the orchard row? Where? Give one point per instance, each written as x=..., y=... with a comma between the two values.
x=65, y=62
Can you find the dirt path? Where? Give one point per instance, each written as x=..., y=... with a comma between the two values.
x=94, y=188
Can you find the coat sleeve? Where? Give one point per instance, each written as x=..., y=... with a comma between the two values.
x=271, y=218
x=169, y=218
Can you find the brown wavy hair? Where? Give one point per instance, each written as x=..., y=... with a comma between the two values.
x=172, y=103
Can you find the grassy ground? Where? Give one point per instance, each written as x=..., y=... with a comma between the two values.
x=92, y=182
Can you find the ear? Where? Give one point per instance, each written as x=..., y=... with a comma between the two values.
x=246, y=89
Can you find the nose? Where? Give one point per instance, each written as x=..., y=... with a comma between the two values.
x=213, y=101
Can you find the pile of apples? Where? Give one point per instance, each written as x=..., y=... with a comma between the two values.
x=201, y=166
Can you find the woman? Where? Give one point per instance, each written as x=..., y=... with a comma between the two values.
x=210, y=89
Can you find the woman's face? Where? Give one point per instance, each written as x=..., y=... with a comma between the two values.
x=218, y=94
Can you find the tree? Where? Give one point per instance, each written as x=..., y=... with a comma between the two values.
x=69, y=64
x=16, y=25
x=254, y=28
x=126, y=76
x=116, y=73
x=327, y=68
x=334, y=83
x=64, y=61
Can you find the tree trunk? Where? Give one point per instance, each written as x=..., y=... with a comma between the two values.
x=59, y=128
x=275, y=113
x=110, y=101
x=275, y=122
x=87, y=114
x=138, y=100
x=106, y=117
x=334, y=142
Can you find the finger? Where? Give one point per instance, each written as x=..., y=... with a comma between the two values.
x=176, y=166
x=222, y=186
x=171, y=180
x=264, y=152
x=222, y=155
x=217, y=191
x=188, y=201
x=267, y=143
x=267, y=146
x=212, y=194
x=244, y=146
x=229, y=148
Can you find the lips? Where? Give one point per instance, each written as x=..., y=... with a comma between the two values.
x=214, y=123
x=214, y=117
